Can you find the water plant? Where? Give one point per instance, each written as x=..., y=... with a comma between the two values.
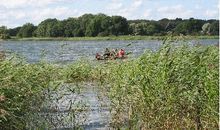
x=22, y=86
x=175, y=87
x=28, y=90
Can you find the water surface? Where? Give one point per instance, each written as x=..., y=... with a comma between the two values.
x=68, y=51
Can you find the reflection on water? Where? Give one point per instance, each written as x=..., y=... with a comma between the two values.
x=72, y=107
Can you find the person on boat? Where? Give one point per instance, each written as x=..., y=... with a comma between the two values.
x=114, y=54
x=107, y=53
x=98, y=56
x=121, y=53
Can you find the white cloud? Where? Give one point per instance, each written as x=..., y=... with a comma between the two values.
x=117, y=7
x=58, y=12
x=17, y=12
x=24, y=3
x=211, y=13
x=11, y=18
x=114, y=6
x=148, y=13
x=29, y=3
x=137, y=3
x=174, y=12
x=198, y=6
x=17, y=17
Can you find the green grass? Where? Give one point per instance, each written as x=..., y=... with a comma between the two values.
x=22, y=85
x=173, y=88
x=108, y=38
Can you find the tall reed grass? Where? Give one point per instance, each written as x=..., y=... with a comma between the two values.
x=21, y=87
x=173, y=88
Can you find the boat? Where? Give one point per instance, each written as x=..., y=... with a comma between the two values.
x=111, y=55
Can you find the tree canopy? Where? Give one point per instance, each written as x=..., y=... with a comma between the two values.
x=27, y=30
x=4, y=33
x=103, y=25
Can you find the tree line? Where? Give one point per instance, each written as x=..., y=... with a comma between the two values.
x=102, y=25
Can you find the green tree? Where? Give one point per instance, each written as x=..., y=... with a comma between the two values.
x=181, y=28
x=3, y=33
x=26, y=30
x=164, y=23
x=103, y=25
x=13, y=31
x=152, y=28
x=70, y=26
x=120, y=26
x=99, y=25
x=138, y=29
x=145, y=28
x=50, y=28
x=214, y=28
x=84, y=22
x=191, y=26
x=206, y=28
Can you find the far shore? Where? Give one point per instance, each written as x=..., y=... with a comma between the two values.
x=127, y=37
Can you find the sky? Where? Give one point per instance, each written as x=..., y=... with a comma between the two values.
x=15, y=13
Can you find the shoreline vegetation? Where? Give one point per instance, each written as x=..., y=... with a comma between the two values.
x=101, y=26
x=175, y=87
x=126, y=37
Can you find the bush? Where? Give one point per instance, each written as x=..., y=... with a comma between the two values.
x=5, y=36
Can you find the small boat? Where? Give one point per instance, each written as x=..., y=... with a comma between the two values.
x=113, y=55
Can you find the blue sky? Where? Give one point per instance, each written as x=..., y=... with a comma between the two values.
x=17, y=12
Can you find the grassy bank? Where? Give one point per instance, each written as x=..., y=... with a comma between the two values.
x=173, y=88
x=109, y=38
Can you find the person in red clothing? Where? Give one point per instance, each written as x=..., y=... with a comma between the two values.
x=121, y=53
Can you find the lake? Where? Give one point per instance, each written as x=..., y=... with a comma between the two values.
x=68, y=51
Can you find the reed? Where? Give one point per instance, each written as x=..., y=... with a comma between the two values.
x=175, y=87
